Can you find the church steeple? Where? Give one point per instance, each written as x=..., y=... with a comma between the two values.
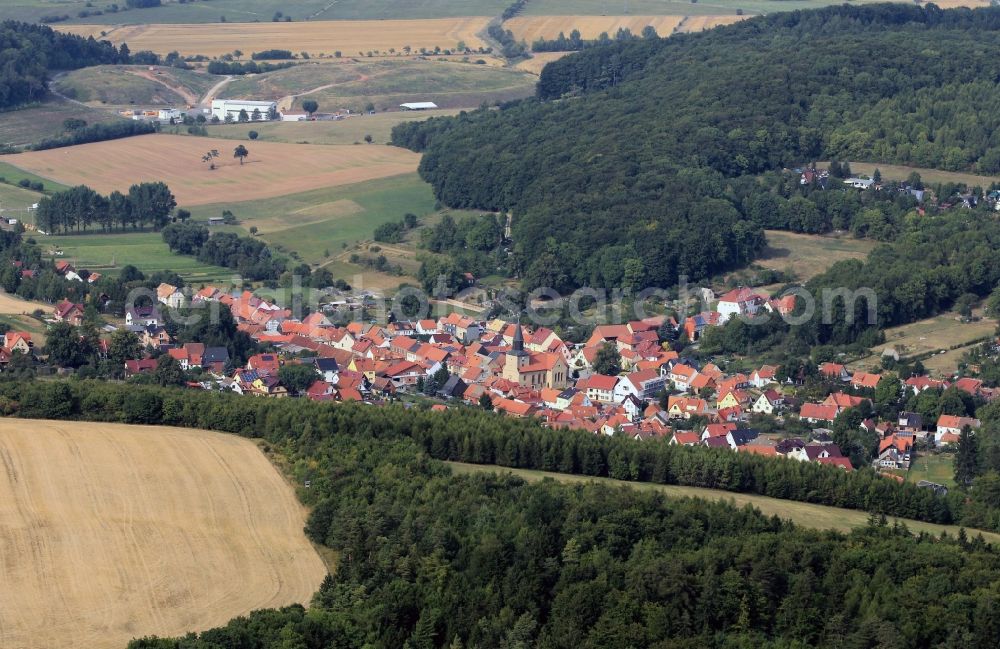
x=518, y=344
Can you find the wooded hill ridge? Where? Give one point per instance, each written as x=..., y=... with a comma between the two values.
x=629, y=150
x=28, y=52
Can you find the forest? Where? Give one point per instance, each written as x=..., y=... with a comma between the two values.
x=631, y=150
x=28, y=52
x=431, y=559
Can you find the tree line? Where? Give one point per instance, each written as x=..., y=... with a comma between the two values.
x=428, y=558
x=97, y=133
x=576, y=42
x=250, y=257
x=80, y=207
x=479, y=437
x=247, y=67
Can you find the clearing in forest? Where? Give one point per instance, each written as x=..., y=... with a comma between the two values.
x=112, y=532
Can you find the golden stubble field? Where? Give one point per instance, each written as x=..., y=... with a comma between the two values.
x=315, y=37
x=272, y=169
x=531, y=28
x=109, y=532
x=13, y=305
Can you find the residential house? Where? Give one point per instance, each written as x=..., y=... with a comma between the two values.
x=264, y=364
x=143, y=316
x=599, y=387
x=834, y=371
x=764, y=376
x=814, y=413
x=170, y=295
x=864, y=380
x=17, y=341
x=139, y=366
x=328, y=368
x=739, y=302
x=645, y=385
x=769, y=402
x=453, y=388
x=215, y=359
x=70, y=312
x=894, y=452
x=695, y=325
x=740, y=437
x=681, y=376
x=155, y=336
x=949, y=428
x=685, y=438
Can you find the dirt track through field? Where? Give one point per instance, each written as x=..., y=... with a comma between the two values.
x=272, y=169
x=316, y=37
x=109, y=532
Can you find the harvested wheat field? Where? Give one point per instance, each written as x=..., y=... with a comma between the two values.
x=701, y=23
x=531, y=28
x=272, y=169
x=109, y=532
x=319, y=37
x=13, y=305
x=539, y=60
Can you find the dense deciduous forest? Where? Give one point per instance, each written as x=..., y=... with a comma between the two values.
x=429, y=559
x=630, y=150
x=28, y=52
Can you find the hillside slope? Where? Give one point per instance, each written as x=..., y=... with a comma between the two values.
x=624, y=154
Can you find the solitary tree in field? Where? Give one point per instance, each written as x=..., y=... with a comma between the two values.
x=310, y=106
x=368, y=138
x=240, y=152
x=253, y=135
x=210, y=157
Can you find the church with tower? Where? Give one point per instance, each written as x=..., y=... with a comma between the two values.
x=534, y=369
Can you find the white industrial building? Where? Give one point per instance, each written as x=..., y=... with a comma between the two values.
x=419, y=105
x=290, y=116
x=167, y=114
x=223, y=107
